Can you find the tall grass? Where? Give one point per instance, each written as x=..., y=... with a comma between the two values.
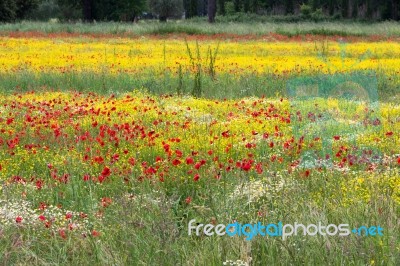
x=184, y=83
x=389, y=29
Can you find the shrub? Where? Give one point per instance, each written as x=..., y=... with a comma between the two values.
x=8, y=10
x=305, y=10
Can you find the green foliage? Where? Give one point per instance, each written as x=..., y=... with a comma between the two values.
x=190, y=7
x=127, y=10
x=166, y=8
x=229, y=8
x=25, y=6
x=104, y=10
x=318, y=15
x=306, y=10
x=70, y=9
x=118, y=10
x=11, y=10
x=8, y=10
x=46, y=10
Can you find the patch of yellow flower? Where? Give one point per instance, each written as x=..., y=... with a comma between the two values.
x=142, y=55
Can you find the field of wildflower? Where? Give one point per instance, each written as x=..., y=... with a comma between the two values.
x=111, y=145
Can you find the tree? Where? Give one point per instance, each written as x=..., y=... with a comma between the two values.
x=289, y=7
x=118, y=10
x=8, y=10
x=104, y=10
x=166, y=8
x=345, y=8
x=236, y=5
x=221, y=7
x=212, y=10
x=87, y=10
x=70, y=9
x=24, y=7
x=11, y=10
x=190, y=7
x=254, y=6
x=395, y=9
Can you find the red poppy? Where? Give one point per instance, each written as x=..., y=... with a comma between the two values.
x=388, y=134
x=115, y=158
x=106, y=172
x=249, y=145
x=178, y=153
x=105, y=202
x=166, y=147
x=42, y=206
x=189, y=160
x=62, y=233
x=196, y=177
x=18, y=220
x=225, y=134
x=271, y=144
x=101, y=178
x=39, y=184
x=197, y=165
x=86, y=177
x=71, y=226
x=42, y=218
x=246, y=166
x=336, y=137
x=307, y=173
x=132, y=161
x=95, y=233
x=176, y=162
x=188, y=200
x=259, y=168
x=150, y=171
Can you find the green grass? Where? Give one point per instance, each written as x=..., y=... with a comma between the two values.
x=146, y=224
x=344, y=28
x=224, y=86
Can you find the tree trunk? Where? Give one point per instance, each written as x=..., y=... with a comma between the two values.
x=88, y=10
x=345, y=8
x=395, y=9
x=212, y=10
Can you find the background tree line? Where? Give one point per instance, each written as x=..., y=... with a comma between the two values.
x=131, y=10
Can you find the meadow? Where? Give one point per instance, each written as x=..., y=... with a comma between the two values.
x=113, y=139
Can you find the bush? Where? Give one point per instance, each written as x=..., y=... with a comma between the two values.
x=305, y=10
x=166, y=8
x=46, y=10
x=318, y=15
x=11, y=10
x=24, y=7
x=8, y=10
